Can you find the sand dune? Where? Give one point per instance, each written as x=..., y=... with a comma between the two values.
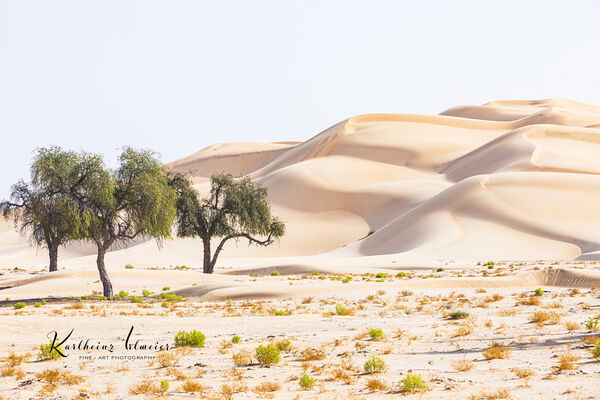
x=511, y=179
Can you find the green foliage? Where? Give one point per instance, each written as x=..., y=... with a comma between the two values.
x=192, y=338
x=171, y=297
x=374, y=365
x=268, y=354
x=19, y=305
x=376, y=334
x=459, y=315
x=47, y=352
x=306, y=382
x=592, y=325
x=122, y=294
x=380, y=275
x=412, y=383
x=128, y=266
x=164, y=385
x=275, y=273
x=164, y=304
x=146, y=293
x=281, y=312
x=37, y=305
x=284, y=345
x=596, y=349
x=539, y=292
x=489, y=264
x=234, y=209
x=136, y=299
x=236, y=339
x=164, y=289
x=400, y=274
x=347, y=279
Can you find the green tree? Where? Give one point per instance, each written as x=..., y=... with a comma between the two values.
x=119, y=206
x=46, y=215
x=234, y=209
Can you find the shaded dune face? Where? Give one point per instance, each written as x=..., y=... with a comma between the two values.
x=507, y=180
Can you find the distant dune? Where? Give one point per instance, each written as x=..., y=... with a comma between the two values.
x=509, y=180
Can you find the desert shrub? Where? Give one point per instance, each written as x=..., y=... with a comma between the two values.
x=459, y=315
x=376, y=334
x=266, y=387
x=122, y=294
x=190, y=386
x=496, y=351
x=463, y=330
x=165, y=288
x=592, y=325
x=566, y=361
x=128, y=266
x=280, y=313
x=37, y=305
x=236, y=339
x=306, y=382
x=400, y=274
x=374, y=365
x=311, y=354
x=571, y=326
x=347, y=279
x=136, y=299
x=164, y=304
x=166, y=359
x=522, y=373
x=341, y=309
x=284, y=345
x=462, y=365
x=539, y=318
x=47, y=352
x=374, y=384
x=539, y=292
x=241, y=358
x=19, y=305
x=192, y=338
x=381, y=275
x=146, y=293
x=171, y=297
x=275, y=273
x=164, y=385
x=268, y=354
x=412, y=383
x=596, y=349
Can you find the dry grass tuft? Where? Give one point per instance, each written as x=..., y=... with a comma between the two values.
x=462, y=365
x=496, y=351
x=571, y=326
x=311, y=354
x=376, y=385
x=566, y=361
x=191, y=386
x=166, y=359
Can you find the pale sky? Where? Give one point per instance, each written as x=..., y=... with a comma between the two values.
x=176, y=76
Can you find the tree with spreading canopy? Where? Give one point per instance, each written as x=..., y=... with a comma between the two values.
x=234, y=209
x=47, y=216
x=135, y=200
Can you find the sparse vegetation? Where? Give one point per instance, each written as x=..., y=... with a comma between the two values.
x=374, y=365
x=412, y=383
x=306, y=382
x=268, y=354
x=192, y=338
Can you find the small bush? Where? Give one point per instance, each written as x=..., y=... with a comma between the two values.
x=128, y=266
x=376, y=334
x=171, y=297
x=47, y=352
x=596, y=350
x=539, y=318
x=191, y=386
x=374, y=384
x=192, y=338
x=164, y=304
x=459, y=315
x=136, y=299
x=241, y=358
x=236, y=339
x=37, y=305
x=164, y=289
x=146, y=293
x=571, y=326
x=275, y=273
x=592, y=325
x=284, y=345
x=400, y=274
x=268, y=354
x=341, y=309
x=539, y=292
x=412, y=383
x=281, y=313
x=347, y=279
x=310, y=354
x=164, y=385
x=19, y=305
x=306, y=382
x=496, y=351
x=374, y=365
x=166, y=359
x=381, y=275
x=566, y=361
x=462, y=365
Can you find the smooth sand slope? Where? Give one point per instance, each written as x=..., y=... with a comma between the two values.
x=509, y=180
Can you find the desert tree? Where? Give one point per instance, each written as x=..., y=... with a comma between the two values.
x=117, y=206
x=47, y=216
x=234, y=209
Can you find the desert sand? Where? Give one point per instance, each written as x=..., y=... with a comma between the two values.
x=470, y=210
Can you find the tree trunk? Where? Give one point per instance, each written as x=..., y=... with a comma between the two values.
x=106, y=285
x=208, y=266
x=53, y=251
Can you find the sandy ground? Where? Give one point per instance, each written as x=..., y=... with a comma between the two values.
x=412, y=311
